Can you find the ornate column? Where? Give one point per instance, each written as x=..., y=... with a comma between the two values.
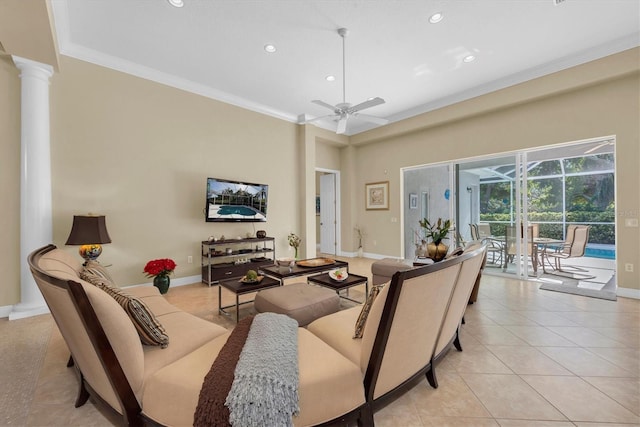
x=36, y=222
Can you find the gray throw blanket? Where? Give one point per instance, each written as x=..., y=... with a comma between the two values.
x=265, y=386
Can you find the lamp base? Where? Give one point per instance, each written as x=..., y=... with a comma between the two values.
x=90, y=252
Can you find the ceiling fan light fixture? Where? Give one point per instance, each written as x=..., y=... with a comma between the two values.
x=436, y=17
x=344, y=110
x=176, y=3
x=469, y=58
x=269, y=48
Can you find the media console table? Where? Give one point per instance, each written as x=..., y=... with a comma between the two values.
x=225, y=259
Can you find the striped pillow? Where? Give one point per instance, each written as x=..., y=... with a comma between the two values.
x=149, y=329
x=364, y=313
x=94, y=267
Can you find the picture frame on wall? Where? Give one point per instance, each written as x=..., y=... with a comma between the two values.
x=413, y=201
x=377, y=195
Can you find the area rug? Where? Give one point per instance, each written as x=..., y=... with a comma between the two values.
x=603, y=286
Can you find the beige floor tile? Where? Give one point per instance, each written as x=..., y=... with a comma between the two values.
x=527, y=360
x=545, y=318
x=507, y=317
x=582, y=362
x=588, y=424
x=625, y=358
x=475, y=359
x=400, y=412
x=585, y=337
x=508, y=396
x=452, y=398
x=579, y=400
x=539, y=336
x=456, y=422
x=630, y=337
x=494, y=335
x=625, y=391
x=532, y=423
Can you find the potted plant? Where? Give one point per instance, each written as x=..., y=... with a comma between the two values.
x=437, y=232
x=160, y=269
x=294, y=242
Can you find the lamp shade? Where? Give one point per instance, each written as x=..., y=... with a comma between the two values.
x=88, y=230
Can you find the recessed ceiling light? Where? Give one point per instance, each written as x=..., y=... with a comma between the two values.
x=176, y=3
x=436, y=17
x=269, y=48
x=469, y=58
x=330, y=78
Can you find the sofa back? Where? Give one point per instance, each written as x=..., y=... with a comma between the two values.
x=103, y=342
x=407, y=320
x=464, y=286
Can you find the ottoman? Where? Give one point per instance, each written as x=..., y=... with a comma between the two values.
x=300, y=301
x=383, y=269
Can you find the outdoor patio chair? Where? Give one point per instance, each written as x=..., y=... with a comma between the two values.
x=574, y=247
x=494, y=247
x=510, y=244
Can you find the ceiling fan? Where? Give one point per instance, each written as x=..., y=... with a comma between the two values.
x=344, y=110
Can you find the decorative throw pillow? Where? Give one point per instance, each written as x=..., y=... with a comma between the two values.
x=149, y=329
x=94, y=267
x=366, y=307
x=96, y=279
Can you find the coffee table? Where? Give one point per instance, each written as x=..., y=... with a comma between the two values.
x=353, y=280
x=282, y=273
x=239, y=288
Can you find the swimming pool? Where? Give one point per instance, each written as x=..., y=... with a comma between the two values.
x=595, y=250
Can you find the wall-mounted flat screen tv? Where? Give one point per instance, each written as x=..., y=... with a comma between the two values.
x=235, y=201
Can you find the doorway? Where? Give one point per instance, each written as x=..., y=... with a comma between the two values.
x=328, y=211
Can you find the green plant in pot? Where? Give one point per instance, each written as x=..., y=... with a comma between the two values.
x=437, y=232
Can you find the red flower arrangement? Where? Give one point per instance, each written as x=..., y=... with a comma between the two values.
x=159, y=267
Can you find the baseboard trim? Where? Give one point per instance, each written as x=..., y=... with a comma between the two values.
x=180, y=281
x=5, y=311
x=628, y=293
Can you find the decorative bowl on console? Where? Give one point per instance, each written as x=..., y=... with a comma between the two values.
x=285, y=262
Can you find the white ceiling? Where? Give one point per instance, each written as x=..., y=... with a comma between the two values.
x=215, y=47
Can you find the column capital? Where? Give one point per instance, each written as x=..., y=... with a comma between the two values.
x=32, y=68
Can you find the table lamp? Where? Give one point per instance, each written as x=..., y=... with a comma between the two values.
x=90, y=232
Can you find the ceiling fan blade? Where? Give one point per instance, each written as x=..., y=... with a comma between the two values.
x=367, y=104
x=372, y=119
x=324, y=104
x=342, y=125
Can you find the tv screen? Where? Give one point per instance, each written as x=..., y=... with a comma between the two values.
x=236, y=201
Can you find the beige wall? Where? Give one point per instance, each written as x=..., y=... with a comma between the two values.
x=140, y=152
x=607, y=108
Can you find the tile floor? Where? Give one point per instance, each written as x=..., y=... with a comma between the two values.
x=531, y=358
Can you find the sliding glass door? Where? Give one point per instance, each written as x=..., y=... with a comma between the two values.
x=522, y=203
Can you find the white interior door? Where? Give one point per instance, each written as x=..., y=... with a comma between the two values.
x=328, y=214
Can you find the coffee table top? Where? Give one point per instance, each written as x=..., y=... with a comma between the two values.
x=296, y=270
x=236, y=286
x=326, y=281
